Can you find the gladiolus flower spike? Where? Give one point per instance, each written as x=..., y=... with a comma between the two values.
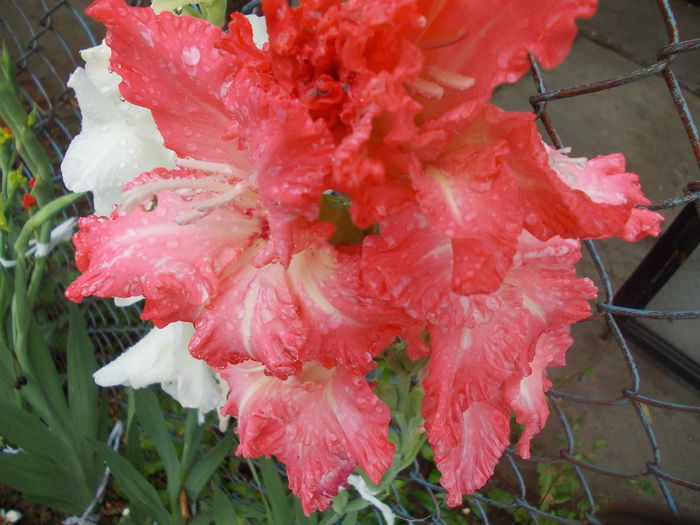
x=346, y=184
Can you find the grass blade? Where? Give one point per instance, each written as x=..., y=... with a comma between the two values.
x=136, y=488
x=151, y=417
x=276, y=494
x=203, y=470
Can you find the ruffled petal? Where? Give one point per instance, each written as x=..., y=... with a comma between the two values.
x=488, y=358
x=253, y=316
x=316, y=309
x=169, y=65
x=412, y=264
x=324, y=54
x=543, y=281
x=642, y=222
x=345, y=326
x=465, y=419
x=525, y=395
x=321, y=424
x=490, y=40
x=468, y=445
x=175, y=266
x=290, y=151
x=469, y=193
x=577, y=197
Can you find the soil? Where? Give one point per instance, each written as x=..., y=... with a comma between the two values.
x=33, y=513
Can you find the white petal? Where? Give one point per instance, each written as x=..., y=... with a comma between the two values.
x=95, y=106
x=97, y=68
x=151, y=360
x=104, y=157
x=118, y=140
x=123, y=302
x=260, y=37
x=162, y=357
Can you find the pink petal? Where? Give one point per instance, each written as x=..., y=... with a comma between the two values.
x=476, y=364
x=290, y=151
x=253, y=316
x=169, y=65
x=321, y=424
x=526, y=395
x=642, y=222
x=345, y=326
x=468, y=190
x=543, y=281
x=465, y=419
x=176, y=267
x=580, y=198
x=468, y=447
x=490, y=41
x=315, y=309
x=412, y=264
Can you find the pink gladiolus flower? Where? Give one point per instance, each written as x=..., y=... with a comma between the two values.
x=475, y=221
x=321, y=424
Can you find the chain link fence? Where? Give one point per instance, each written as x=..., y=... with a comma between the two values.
x=44, y=37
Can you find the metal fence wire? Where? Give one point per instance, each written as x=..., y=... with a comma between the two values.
x=44, y=37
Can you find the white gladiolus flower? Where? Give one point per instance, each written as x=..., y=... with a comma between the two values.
x=162, y=357
x=118, y=140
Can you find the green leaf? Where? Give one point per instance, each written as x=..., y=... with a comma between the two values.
x=193, y=440
x=205, y=518
x=276, y=495
x=224, y=510
x=132, y=450
x=151, y=417
x=356, y=504
x=83, y=400
x=350, y=519
x=301, y=518
x=30, y=434
x=203, y=470
x=136, y=488
x=43, y=390
x=44, y=481
x=3, y=219
x=387, y=393
x=16, y=179
x=7, y=375
x=335, y=209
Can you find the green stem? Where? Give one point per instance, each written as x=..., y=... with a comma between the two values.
x=20, y=315
x=39, y=218
x=39, y=267
x=13, y=113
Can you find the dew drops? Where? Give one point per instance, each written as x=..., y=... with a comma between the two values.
x=531, y=218
x=191, y=55
x=151, y=204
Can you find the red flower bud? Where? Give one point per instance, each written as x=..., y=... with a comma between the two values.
x=28, y=201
